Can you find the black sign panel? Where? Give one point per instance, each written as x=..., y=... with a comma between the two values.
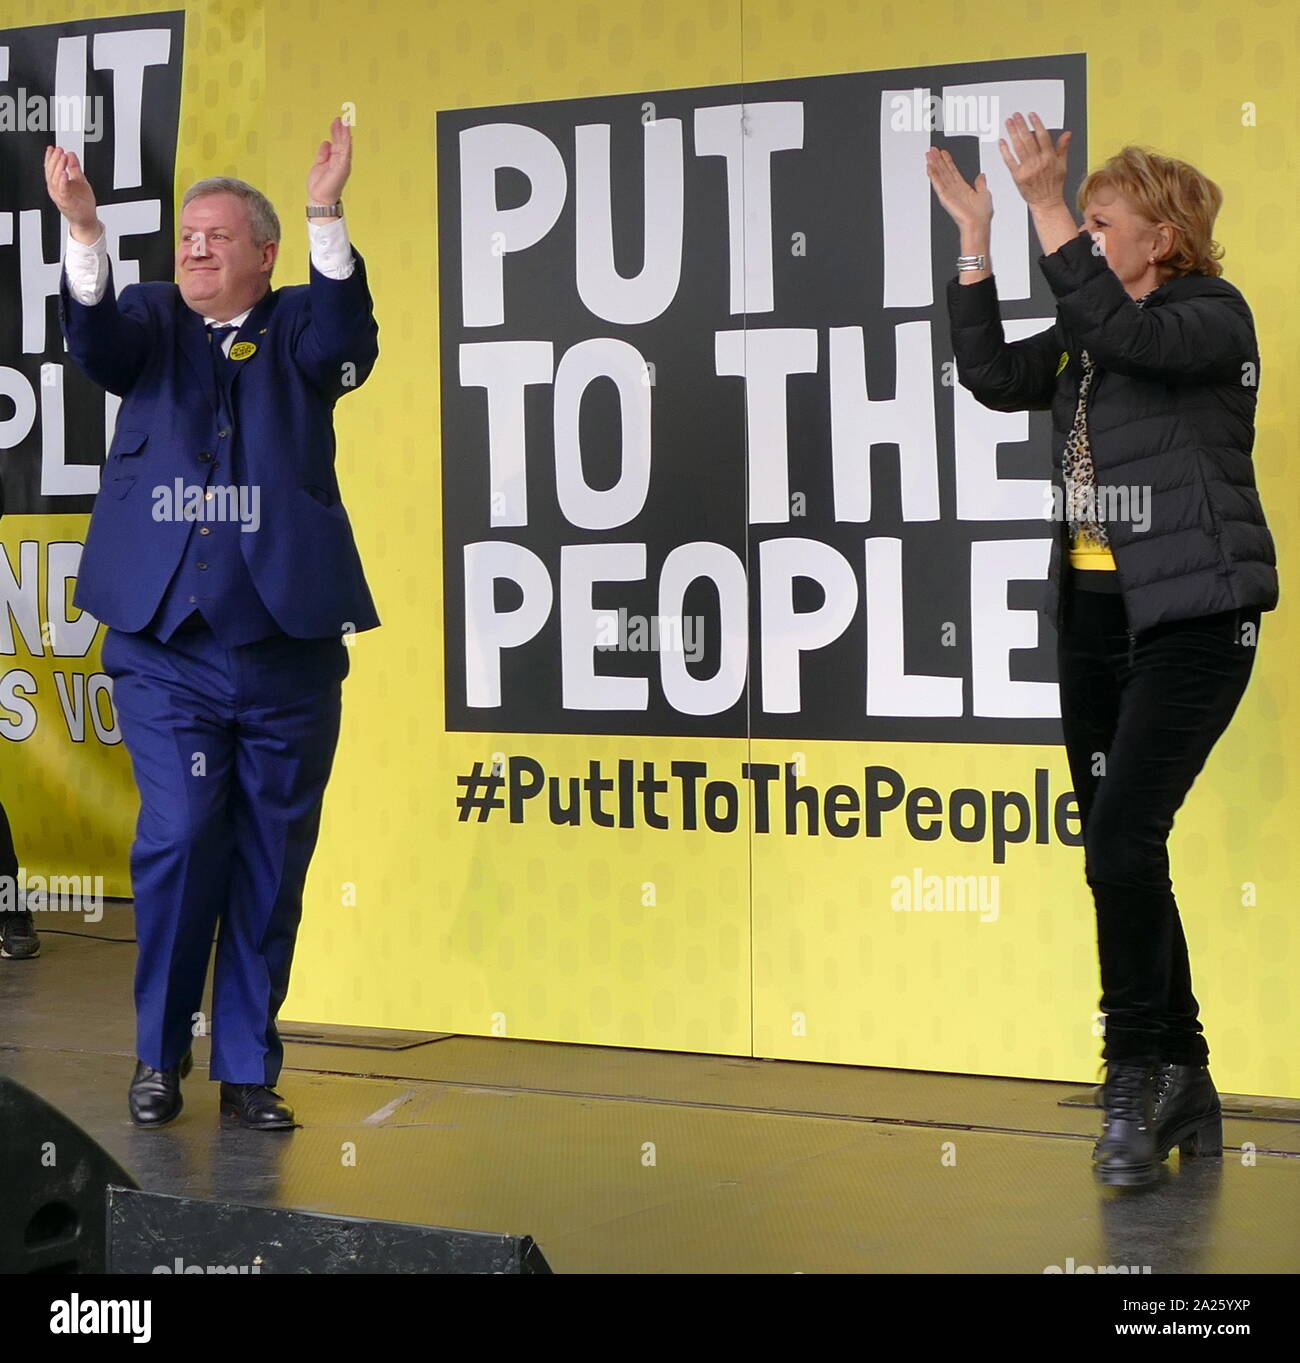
x=706, y=469
x=109, y=90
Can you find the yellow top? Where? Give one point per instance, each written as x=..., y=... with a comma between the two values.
x=1087, y=554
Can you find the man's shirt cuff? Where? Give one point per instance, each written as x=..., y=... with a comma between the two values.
x=331, y=251
x=86, y=268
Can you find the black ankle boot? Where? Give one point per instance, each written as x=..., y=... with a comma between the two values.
x=1186, y=1111
x=1126, y=1152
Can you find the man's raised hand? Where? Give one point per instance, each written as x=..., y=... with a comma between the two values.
x=72, y=194
x=333, y=163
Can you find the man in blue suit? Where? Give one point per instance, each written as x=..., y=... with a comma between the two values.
x=221, y=560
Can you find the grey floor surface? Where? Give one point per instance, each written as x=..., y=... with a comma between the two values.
x=622, y=1161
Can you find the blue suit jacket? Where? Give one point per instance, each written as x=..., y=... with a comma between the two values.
x=314, y=343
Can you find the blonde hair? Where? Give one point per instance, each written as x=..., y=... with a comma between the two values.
x=1169, y=191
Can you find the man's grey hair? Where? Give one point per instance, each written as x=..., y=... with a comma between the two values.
x=266, y=226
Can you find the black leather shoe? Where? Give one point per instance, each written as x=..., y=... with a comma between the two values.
x=1187, y=1111
x=1126, y=1152
x=155, y=1095
x=256, y=1106
x=18, y=939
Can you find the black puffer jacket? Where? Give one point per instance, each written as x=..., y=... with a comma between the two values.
x=1171, y=410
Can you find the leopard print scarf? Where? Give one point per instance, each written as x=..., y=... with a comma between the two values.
x=1080, y=501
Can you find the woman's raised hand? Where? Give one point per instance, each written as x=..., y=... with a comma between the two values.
x=1037, y=167
x=968, y=206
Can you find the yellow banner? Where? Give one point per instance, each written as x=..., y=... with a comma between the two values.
x=912, y=945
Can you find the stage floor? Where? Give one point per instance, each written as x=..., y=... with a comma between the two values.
x=758, y=1166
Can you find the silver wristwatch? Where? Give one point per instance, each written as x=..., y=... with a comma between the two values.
x=326, y=210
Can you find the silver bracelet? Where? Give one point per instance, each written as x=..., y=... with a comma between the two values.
x=971, y=263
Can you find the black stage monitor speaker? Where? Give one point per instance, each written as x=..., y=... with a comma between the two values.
x=159, y=1233
x=53, y=1188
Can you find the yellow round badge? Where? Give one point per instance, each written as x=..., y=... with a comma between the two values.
x=241, y=350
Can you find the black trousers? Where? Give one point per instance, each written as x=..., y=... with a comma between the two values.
x=8, y=864
x=1140, y=716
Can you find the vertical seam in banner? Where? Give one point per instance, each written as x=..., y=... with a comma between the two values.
x=749, y=580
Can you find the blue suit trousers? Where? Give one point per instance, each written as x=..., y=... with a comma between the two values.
x=232, y=749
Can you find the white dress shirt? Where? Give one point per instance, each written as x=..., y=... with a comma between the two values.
x=87, y=266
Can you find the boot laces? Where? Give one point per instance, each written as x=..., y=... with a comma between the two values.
x=1124, y=1089
x=1164, y=1080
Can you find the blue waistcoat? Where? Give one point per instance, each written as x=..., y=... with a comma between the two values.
x=212, y=577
